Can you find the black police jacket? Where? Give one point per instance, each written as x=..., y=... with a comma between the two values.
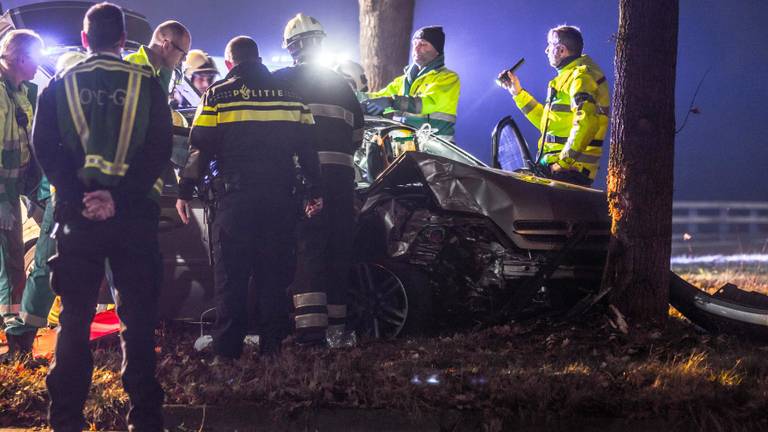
x=335, y=108
x=252, y=124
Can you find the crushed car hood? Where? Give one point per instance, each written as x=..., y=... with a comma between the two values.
x=535, y=213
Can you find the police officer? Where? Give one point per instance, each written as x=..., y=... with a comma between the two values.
x=325, y=242
x=574, y=120
x=103, y=135
x=253, y=125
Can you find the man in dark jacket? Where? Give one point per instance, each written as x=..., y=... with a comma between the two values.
x=254, y=127
x=325, y=242
x=103, y=136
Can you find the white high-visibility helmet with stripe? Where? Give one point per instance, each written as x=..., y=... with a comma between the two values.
x=302, y=31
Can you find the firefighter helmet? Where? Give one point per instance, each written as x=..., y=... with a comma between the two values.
x=198, y=61
x=354, y=73
x=302, y=31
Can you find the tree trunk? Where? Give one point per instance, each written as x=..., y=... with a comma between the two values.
x=385, y=39
x=640, y=171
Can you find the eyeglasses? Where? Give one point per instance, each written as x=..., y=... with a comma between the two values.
x=173, y=44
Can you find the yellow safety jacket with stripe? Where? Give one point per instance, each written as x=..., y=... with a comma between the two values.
x=104, y=124
x=141, y=57
x=425, y=95
x=574, y=120
x=253, y=125
x=14, y=148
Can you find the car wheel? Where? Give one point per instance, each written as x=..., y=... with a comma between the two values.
x=387, y=300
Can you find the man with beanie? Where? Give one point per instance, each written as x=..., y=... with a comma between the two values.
x=428, y=92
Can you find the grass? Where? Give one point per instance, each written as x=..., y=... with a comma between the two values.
x=538, y=371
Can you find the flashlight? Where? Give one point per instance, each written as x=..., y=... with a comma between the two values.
x=504, y=79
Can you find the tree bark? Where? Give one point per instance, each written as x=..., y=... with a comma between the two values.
x=385, y=39
x=640, y=167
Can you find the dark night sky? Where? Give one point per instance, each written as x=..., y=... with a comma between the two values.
x=721, y=154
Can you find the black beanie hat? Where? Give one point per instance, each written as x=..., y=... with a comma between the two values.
x=433, y=35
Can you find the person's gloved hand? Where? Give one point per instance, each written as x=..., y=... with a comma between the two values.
x=377, y=106
x=7, y=218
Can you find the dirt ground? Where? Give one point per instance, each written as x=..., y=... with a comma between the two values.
x=536, y=375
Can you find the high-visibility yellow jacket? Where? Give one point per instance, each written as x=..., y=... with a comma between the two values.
x=574, y=120
x=140, y=57
x=425, y=95
x=14, y=147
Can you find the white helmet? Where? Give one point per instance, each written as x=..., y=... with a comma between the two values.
x=302, y=30
x=354, y=73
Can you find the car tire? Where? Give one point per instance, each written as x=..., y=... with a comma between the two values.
x=389, y=299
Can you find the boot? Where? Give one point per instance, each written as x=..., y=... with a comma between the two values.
x=19, y=346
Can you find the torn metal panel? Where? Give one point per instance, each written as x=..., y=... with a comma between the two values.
x=534, y=213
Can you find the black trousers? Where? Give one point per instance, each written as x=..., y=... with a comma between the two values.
x=325, y=255
x=77, y=272
x=253, y=236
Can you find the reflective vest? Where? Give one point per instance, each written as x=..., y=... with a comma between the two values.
x=574, y=120
x=140, y=57
x=103, y=106
x=14, y=147
x=431, y=97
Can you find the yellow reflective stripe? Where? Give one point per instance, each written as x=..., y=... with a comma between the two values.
x=311, y=320
x=335, y=158
x=206, y=120
x=337, y=311
x=271, y=115
x=333, y=111
x=560, y=108
x=33, y=320
x=129, y=117
x=309, y=299
x=262, y=104
x=158, y=186
x=529, y=106
x=76, y=109
x=106, y=167
x=12, y=309
x=110, y=65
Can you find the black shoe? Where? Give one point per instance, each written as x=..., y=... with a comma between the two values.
x=21, y=344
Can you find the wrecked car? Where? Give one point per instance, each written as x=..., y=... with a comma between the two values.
x=443, y=240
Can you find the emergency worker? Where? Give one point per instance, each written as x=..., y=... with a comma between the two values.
x=200, y=70
x=20, y=56
x=254, y=126
x=325, y=241
x=38, y=297
x=168, y=48
x=428, y=92
x=354, y=73
x=103, y=136
x=574, y=119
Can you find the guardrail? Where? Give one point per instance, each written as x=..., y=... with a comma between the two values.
x=719, y=227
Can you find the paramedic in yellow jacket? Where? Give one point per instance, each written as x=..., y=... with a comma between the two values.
x=574, y=119
x=428, y=92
